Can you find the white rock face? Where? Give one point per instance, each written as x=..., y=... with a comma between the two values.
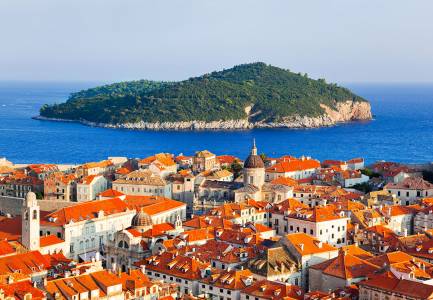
x=344, y=112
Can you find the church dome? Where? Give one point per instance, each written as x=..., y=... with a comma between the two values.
x=141, y=219
x=253, y=160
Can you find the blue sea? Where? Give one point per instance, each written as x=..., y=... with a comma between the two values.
x=402, y=130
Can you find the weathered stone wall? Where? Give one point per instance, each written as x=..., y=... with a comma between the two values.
x=12, y=205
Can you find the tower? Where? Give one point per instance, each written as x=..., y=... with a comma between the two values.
x=254, y=168
x=30, y=222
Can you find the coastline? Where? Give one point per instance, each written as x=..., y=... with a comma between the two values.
x=345, y=112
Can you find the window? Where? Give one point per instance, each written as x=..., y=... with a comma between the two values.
x=311, y=231
x=35, y=214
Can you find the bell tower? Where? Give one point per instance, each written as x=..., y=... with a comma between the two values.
x=30, y=217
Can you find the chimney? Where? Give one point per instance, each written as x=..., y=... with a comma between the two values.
x=405, y=232
x=301, y=246
x=143, y=269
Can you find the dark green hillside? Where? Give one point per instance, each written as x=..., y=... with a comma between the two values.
x=272, y=92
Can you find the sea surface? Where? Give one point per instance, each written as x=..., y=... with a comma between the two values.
x=402, y=130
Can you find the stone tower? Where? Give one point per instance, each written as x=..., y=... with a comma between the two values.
x=30, y=222
x=254, y=169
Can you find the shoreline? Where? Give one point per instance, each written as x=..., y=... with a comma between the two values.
x=231, y=125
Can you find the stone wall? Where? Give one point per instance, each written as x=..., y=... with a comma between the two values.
x=12, y=205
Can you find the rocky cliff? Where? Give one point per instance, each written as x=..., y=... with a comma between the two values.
x=343, y=112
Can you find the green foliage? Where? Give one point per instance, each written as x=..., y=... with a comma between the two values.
x=236, y=168
x=370, y=173
x=363, y=187
x=428, y=175
x=272, y=92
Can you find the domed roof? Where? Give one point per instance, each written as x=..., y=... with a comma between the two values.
x=141, y=219
x=253, y=160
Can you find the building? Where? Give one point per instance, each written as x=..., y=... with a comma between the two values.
x=87, y=226
x=321, y=222
x=349, y=178
x=161, y=164
x=19, y=184
x=222, y=284
x=271, y=290
x=137, y=241
x=275, y=264
x=338, y=272
x=182, y=188
x=105, y=167
x=294, y=168
x=307, y=251
x=30, y=223
x=41, y=171
x=410, y=189
x=205, y=161
x=143, y=183
x=60, y=186
x=355, y=163
x=90, y=186
x=182, y=270
x=385, y=287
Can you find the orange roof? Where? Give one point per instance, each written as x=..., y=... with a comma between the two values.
x=84, y=211
x=265, y=289
x=316, y=214
x=356, y=251
x=71, y=286
x=110, y=193
x=346, y=266
x=293, y=166
x=100, y=164
x=123, y=171
x=233, y=280
x=175, y=265
x=17, y=290
x=306, y=244
x=163, y=158
x=6, y=248
x=89, y=179
x=285, y=181
x=208, y=221
x=152, y=205
x=227, y=159
x=50, y=240
x=25, y=263
x=408, y=288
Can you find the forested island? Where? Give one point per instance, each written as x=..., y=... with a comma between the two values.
x=245, y=96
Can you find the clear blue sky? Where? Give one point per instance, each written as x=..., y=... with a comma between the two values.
x=105, y=40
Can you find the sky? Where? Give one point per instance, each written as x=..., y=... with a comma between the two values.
x=107, y=40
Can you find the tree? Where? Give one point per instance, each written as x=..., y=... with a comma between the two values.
x=236, y=168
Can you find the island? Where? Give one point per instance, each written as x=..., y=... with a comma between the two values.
x=255, y=95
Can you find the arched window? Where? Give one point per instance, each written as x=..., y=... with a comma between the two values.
x=35, y=214
x=26, y=216
x=120, y=245
x=125, y=245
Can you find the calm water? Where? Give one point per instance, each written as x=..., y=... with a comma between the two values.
x=402, y=131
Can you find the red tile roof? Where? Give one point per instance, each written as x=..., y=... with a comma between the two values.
x=17, y=290
x=50, y=240
x=84, y=211
x=265, y=289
